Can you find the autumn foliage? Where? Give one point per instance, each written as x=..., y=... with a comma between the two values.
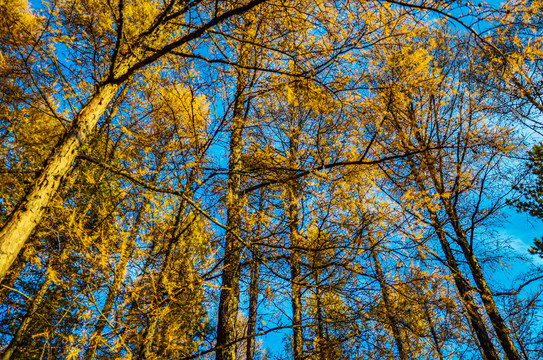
x=198, y=179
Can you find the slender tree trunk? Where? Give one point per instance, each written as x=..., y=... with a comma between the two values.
x=13, y=274
x=389, y=312
x=295, y=273
x=486, y=295
x=433, y=332
x=34, y=305
x=463, y=288
x=253, y=287
x=147, y=344
x=295, y=278
x=113, y=290
x=120, y=271
x=496, y=319
x=22, y=221
x=253, y=302
x=229, y=297
x=523, y=350
x=322, y=346
x=462, y=285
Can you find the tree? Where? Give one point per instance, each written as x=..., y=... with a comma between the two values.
x=453, y=183
x=532, y=192
x=328, y=172
x=128, y=55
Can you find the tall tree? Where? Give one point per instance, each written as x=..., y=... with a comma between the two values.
x=432, y=122
x=229, y=298
x=129, y=51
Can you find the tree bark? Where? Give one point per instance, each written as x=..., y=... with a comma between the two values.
x=295, y=273
x=389, y=312
x=463, y=288
x=229, y=297
x=496, y=319
x=22, y=221
x=253, y=288
x=13, y=274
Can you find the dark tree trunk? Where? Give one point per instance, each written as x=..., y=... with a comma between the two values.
x=389, y=311
x=253, y=287
x=34, y=305
x=229, y=298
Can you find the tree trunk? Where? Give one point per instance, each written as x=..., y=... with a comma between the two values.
x=322, y=344
x=113, y=290
x=433, y=332
x=147, y=344
x=496, y=319
x=13, y=274
x=463, y=288
x=22, y=221
x=490, y=306
x=36, y=302
x=389, y=312
x=120, y=271
x=229, y=298
x=253, y=288
x=295, y=273
x=462, y=285
x=295, y=278
x=253, y=302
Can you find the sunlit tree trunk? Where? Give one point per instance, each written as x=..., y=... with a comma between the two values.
x=22, y=221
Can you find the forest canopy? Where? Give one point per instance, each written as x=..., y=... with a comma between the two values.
x=256, y=179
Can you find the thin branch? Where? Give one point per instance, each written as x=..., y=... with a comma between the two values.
x=185, y=39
